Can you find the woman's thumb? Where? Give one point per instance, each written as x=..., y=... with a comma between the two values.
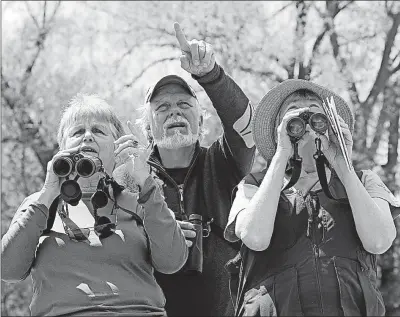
x=324, y=142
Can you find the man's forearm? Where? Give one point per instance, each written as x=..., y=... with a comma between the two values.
x=227, y=97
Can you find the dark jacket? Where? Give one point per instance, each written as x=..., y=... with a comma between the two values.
x=307, y=270
x=213, y=174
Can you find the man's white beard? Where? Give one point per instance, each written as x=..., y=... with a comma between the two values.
x=177, y=140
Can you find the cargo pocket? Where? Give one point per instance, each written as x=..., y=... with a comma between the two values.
x=374, y=305
x=276, y=296
x=358, y=295
x=286, y=292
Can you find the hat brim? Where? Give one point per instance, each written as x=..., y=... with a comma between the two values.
x=268, y=108
x=167, y=80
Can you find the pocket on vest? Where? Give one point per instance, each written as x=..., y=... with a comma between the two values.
x=276, y=295
x=357, y=290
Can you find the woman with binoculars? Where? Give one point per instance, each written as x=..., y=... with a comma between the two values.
x=309, y=248
x=89, y=244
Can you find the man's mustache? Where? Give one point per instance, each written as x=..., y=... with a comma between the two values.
x=175, y=120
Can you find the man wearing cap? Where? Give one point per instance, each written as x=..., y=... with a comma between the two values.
x=309, y=247
x=198, y=180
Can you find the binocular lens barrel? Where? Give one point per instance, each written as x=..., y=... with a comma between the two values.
x=99, y=199
x=319, y=122
x=62, y=166
x=296, y=127
x=86, y=167
x=71, y=192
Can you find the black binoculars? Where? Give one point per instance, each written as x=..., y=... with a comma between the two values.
x=194, y=264
x=85, y=165
x=296, y=127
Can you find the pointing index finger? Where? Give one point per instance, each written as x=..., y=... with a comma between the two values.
x=180, y=36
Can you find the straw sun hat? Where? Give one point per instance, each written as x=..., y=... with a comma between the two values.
x=268, y=108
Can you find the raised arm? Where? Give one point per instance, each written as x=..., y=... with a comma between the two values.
x=232, y=105
x=374, y=224
x=255, y=225
x=372, y=217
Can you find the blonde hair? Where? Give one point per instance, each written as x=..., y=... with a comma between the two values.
x=88, y=107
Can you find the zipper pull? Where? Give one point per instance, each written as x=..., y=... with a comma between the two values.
x=182, y=210
x=309, y=221
x=180, y=187
x=207, y=229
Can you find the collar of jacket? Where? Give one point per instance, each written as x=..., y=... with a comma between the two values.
x=154, y=159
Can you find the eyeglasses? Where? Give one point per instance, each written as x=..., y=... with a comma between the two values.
x=103, y=231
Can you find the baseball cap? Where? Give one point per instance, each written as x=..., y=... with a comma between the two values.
x=169, y=79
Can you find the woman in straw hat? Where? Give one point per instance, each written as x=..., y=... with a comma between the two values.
x=94, y=257
x=303, y=252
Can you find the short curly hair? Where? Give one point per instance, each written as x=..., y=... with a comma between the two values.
x=88, y=107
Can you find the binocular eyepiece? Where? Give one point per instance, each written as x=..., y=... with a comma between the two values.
x=85, y=165
x=296, y=127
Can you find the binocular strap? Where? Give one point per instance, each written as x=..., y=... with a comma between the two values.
x=70, y=228
x=296, y=171
x=320, y=162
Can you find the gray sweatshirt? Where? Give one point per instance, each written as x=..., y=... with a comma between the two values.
x=113, y=278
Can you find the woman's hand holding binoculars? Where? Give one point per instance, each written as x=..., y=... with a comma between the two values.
x=331, y=147
x=284, y=142
x=52, y=184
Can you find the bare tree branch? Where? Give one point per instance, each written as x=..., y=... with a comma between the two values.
x=275, y=14
x=261, y=73
x=327, y=26
x=393, y=143
x=384, y=115
x=345, y=5
x=54, y=13
x=146, y=68
x=394, y=69
x=44, y=15
x=35, y=21
x=383, y=73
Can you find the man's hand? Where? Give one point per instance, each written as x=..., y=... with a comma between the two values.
x=197, y=56
x=188, y=231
